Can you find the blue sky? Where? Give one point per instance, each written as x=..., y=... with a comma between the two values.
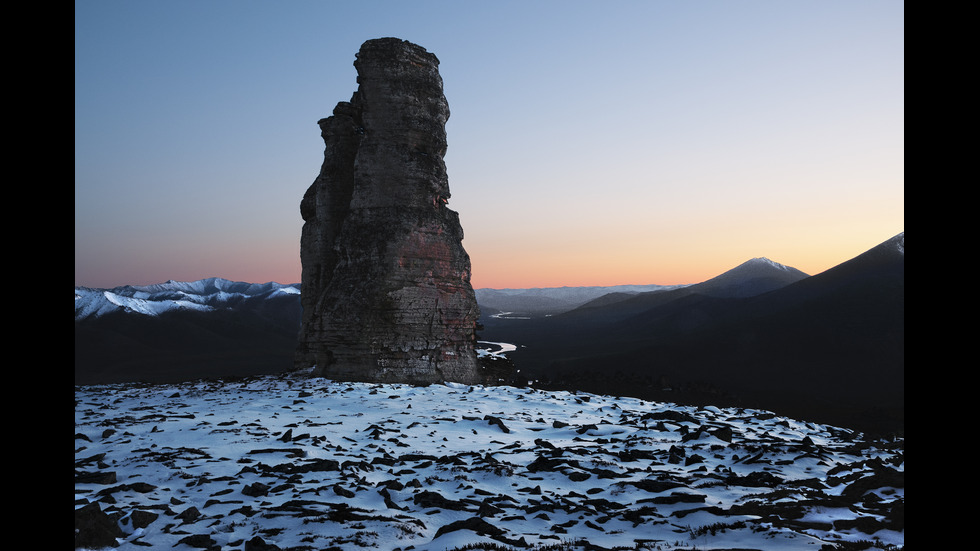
x=590, y=143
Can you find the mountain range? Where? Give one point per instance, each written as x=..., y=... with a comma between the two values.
x=827, y=347
x=178, y=331
x=547, y=301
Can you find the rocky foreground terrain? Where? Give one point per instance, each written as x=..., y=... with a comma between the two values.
x=294, y=462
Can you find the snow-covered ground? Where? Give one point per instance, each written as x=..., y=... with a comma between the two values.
x=294, y=462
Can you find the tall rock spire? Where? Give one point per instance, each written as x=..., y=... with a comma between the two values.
x=386, y=290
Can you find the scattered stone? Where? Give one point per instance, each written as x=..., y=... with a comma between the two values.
x=723, y=433
x=678, y=497
x=85, y=461
x=142, y=519
x=258, y=544
x=653, y=486
x=94, y=528
x=189, y=515
x=256, y=489
x=199, y=541
x=138, y=487
x=496, y=421
x=882, y=477
x=578, y=476
x=428, y=499
x=98, y=477
x=474, y=524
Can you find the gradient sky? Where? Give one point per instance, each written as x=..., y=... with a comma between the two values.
x=590, y=143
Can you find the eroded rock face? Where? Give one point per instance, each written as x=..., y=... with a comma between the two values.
x=386, y=291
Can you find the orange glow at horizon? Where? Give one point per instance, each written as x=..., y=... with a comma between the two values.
x=497, y=268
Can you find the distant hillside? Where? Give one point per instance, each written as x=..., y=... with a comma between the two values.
x=751, y=278
x=832, y=343
x=547, y=301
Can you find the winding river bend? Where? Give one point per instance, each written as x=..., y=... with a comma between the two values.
x=496, y=349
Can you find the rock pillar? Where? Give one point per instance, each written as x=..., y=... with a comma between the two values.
x=386, y=291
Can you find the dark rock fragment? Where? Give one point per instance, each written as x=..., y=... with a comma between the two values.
x=393, y=484
x=189, y=515
x=94, y=528
x=99, y=477
x=256, y=489
x=389, y=502
x=475, y=524
x=199, y=541
x=258, y=544
x=142, y=519
x=496, y=421
x=138, y=487
x=678, y=497
x=85, y=461
x=724, y=433
x=654, y=486
x=755, y=479
x=882, y=477
x=429, y=499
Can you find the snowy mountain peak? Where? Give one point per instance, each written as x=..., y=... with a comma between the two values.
x=763, y=261
x=750, y=278
x=153, y=300
x=899, y=241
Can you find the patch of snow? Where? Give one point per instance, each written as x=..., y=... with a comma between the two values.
x=765, y=261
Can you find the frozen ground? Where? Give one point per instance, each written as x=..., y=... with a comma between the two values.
x=290, y=462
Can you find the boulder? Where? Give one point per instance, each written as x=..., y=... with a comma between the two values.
x=94, y=528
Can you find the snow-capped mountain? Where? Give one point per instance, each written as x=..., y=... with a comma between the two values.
x=202, y=295
x=296, y=463
x=216, y=293
x=752, y=277
x=175, y=330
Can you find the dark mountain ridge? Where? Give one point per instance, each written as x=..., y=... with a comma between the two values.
x=245, y=330
x=751, y=278
x=829, y=346
x=547, y=301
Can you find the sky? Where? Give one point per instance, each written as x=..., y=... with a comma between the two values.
x=590, y=143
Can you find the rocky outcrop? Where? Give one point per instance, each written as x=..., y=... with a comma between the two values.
x=386, y=291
